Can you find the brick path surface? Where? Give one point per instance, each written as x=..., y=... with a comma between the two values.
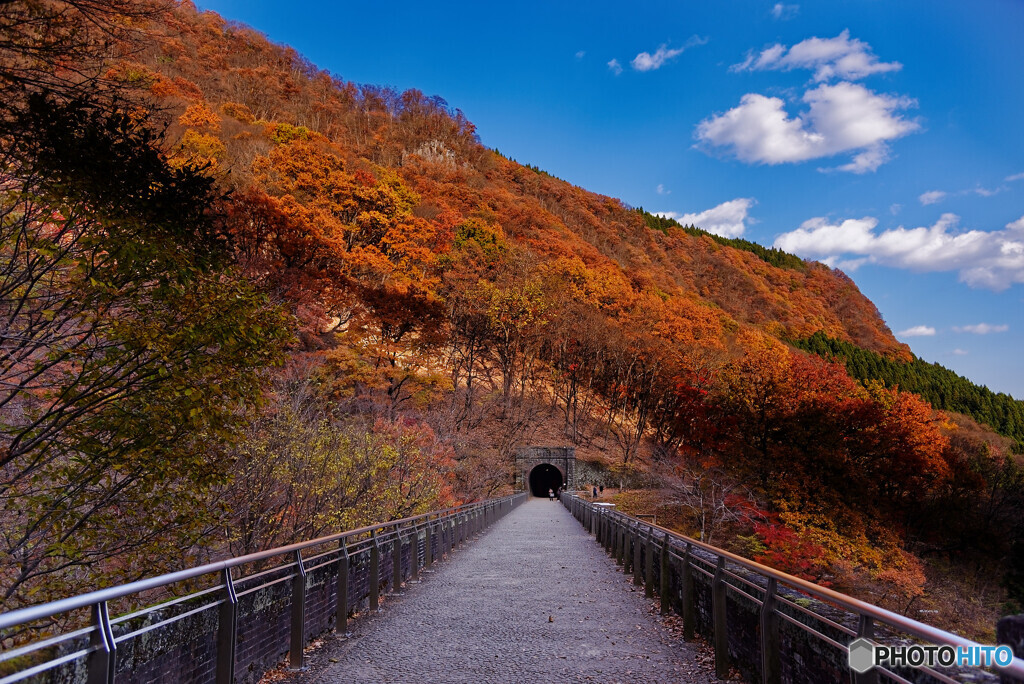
x=534, y=598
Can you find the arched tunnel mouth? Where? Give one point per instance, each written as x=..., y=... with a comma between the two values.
x=544, y=477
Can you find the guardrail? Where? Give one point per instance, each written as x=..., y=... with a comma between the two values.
x=234, y=628
x=759, y=619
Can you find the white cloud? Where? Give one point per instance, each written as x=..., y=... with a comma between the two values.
x=615, y=67
x=728, y=219
x=1015, y=177
x=868, y=160
x=895, y=209
x=840, y=118
x=917, y=331
x=581, y=54
x=959, y=352
x=988, y=259
x=662, y=191
x=936, y=196
x=645, y=61
x=847, y=265
x=839, y=57
x=780, y=11
x=985, y=192
x=981, y=328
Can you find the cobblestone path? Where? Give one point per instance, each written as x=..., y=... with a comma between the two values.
x=535, y=598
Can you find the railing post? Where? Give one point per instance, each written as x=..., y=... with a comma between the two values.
x=627, y=550
x=396, y=562
x=374, y=571
x=865, y=630
x=721, y=636
x=689, y=601
x=428, y=553
x=297, y=658
x=664, y=584
x=638, y=577
x=102, y=660
x=341, y=620
x=770, y=673
x=649, y=565
x=227, y=631
x=414, y=555
x=617, y=542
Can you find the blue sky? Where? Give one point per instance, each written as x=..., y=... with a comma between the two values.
x=885, y=138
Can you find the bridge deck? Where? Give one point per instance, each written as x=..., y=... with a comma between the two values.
x=535, y=597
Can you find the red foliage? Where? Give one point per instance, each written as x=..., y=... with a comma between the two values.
x=791, y=553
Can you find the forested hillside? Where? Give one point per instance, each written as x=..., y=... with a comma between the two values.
x=310, y=303
x=939, y=386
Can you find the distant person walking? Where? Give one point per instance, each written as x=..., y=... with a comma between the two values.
x=551, y=494
x=595, y=492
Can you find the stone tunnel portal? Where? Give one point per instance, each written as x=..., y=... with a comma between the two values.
x=544, y=477
x=539, y=468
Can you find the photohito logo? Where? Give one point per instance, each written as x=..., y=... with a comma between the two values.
x=865, y=655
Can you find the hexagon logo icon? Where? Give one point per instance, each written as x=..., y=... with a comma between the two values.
x=862, y=656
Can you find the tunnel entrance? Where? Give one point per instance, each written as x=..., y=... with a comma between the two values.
x=544, y=477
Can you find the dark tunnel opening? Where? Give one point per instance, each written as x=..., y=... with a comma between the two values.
x=544, y=477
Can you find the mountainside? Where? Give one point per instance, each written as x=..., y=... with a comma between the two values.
x=234, y=98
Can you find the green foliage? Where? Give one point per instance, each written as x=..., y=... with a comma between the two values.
x=132, y=351
x=303, y=471
x=476, y=234
x=938, y=385
x=539, y=171
x=284, y=133
x=775, y=257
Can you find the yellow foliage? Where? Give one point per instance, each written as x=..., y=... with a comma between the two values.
x=198, y=116
x=199, y=150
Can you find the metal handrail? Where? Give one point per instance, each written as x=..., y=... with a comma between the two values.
x=45, y=610
x=452, y=527
x=861, y=608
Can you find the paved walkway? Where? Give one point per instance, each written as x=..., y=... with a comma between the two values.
x=535, y=598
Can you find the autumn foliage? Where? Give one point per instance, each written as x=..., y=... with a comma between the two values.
x=449, y=304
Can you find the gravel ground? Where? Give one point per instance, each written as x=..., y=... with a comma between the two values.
x=533, y=598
